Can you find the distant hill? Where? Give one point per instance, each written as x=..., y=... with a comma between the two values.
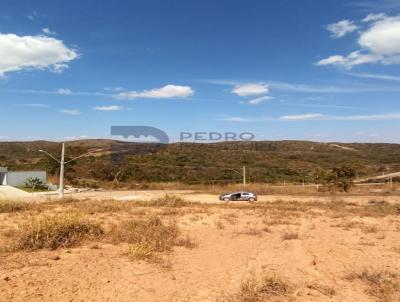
x=188, y=162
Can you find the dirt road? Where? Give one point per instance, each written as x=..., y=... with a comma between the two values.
x=8, y=192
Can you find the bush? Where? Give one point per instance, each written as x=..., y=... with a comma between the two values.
x=52, y=232
x=342, y=177
x=34, y=183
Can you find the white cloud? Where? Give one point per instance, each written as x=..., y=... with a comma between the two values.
x=37, y=105
x=64, y=91
x=374, y=17
x=33, y=15
x=70, y=111
x=341, y=28
x=317, y=117
x=383, y=37
x=107, y=108
x=235, y=119
x=376, y=76
x=302, y=117
x=372, y=117
x=33, y=52
x=114, y=89
x=260, y=99
x=353, y=59
x=284, y=86
x=74, y=137
x=250, y=89
x=380, y=43
x=168, y=91
x=49, y=32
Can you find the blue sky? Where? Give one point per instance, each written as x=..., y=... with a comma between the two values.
x=305, y=70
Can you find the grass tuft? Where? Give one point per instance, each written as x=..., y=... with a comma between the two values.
x=52, y=232
x=268, y=288
x=290, y=236
x=10, y=206
x=147, y=238
x=186, y=242
x=171, y=201
x=381, y=284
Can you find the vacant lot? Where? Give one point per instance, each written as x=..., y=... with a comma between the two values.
x=169, y=249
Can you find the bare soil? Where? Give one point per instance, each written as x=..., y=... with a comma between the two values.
x=312, y=244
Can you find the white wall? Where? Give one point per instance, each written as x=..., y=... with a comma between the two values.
x=18, y=178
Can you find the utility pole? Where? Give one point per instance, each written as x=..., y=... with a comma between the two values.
x=244, y=178
x=62, y=166
x=61, y=189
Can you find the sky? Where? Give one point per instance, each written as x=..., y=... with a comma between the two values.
x=283, y=70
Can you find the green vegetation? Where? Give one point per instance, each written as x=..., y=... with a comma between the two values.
x=132, y=164
x=341, y=177
x=34, y=183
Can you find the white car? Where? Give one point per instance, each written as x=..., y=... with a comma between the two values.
x=246, y=196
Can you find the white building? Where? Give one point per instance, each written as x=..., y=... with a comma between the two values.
x=18, y=178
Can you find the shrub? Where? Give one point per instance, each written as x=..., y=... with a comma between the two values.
x=342, y=177
x=147, y=238
x=52, y=232
x=34, y=183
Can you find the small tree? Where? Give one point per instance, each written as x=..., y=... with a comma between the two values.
x=342, y=177
x=34, y=183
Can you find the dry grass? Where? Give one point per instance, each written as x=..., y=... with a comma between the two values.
x=10, y=206
x=171, y=201
x=251, y=232
x=369, y=229
x=147, y=238
x=219, y=225
x=290, y=236
x=186, y=242
x=51, y=232
x=267, y=288
x=279, y=221
x=382, y=285
x=231, y=218
x=347, y=225
x=101, y=206
x=326, y=290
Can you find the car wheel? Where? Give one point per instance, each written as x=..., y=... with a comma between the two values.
x=251, y=199
x=227, y=199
